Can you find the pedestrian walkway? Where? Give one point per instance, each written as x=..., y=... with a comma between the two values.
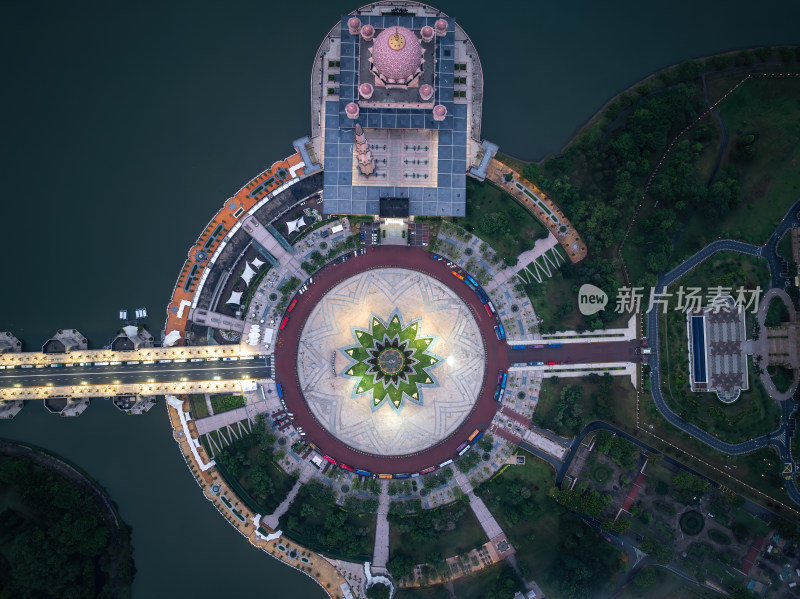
x=482, y=513
x=305, y=475
x=381, y=551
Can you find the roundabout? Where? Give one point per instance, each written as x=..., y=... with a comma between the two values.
x=395, y=360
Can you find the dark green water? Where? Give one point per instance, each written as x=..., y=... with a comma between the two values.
x=126, y=125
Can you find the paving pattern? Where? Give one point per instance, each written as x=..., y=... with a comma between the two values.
x=457, y=377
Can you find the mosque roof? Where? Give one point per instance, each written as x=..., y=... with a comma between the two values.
x=396, y=53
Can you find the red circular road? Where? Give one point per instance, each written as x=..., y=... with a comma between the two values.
x=286, y=361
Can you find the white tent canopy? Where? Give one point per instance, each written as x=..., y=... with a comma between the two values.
x=248, y=274
x=295, y=225
x=171, y=338
x=257, y=263
x=235, y=298
x=130, y=331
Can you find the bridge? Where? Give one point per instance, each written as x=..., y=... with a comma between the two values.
x=147, y=371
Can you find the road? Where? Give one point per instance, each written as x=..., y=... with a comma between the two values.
x=258, y=368
x=780, y=438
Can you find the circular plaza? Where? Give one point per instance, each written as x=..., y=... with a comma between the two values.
x=391, y=355
x=390, y=361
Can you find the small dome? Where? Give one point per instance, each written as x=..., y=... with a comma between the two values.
x=352, y=110
x=353, y=24
x=427, y=33
x=367, y=32
x=396, y=54
x=440, y=26
x=439, y=112
x=425, y=91
x=366, y=89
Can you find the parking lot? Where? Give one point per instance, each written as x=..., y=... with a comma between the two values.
x=370, y=234
x=418, y=234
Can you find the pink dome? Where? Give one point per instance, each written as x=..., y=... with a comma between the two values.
x=396, y=54
x=352, y=110
x=439, y=112
x=441, y=27
x=353, y=24
x=427, y=33
x=365, y=89
x=425, y=91
x=367, y=31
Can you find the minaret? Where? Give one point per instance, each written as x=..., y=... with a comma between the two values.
x=366, y=162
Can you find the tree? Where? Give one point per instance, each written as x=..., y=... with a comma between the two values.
x=400, y=566
x=645, y=578
x=378, y=591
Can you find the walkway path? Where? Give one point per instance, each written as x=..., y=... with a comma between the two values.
x=482, y=513
x=305, y=475
x=570, y=240
x=381, y=552
x=761, y=346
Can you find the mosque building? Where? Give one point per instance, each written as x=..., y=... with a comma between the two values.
x=396, y=113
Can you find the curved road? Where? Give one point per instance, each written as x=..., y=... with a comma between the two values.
x=780, y=438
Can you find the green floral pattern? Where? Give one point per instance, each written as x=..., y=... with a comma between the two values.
x=391, y=362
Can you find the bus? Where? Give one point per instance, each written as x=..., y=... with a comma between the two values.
x=469, y=279
x=445, y=463
x=474, y=434
x=366, y=473
x=280, y=390
x=502, y=331
x=488, y=310
x=471, y=285
x=497, y=332
x=462, y=446
x=389, y=476
x=538, y=347
x=456, y=275
x=491, y=307
x=285, y=320
x=463, y=450
x=503, y=382
x=328, y=458
x=497, y=392
x=106, y=363
x=482, y=294
x=292, y=305
x=555, y=345
x=427, y=470
x=346, y=467
x=402, y=475
x=478, y=438
x=518, y=347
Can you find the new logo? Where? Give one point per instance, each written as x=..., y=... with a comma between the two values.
x=591, y=299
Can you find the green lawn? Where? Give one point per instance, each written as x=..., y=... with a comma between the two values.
x=777, y=313
x=517, y=228
x=620, y=410
x=435, y=592
x=465, y=535
x=498, y=581
x=550, y=541
x=667, y=585
x=225, y=403
x=199, y=406
x=769, y=109
x=761, y=469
